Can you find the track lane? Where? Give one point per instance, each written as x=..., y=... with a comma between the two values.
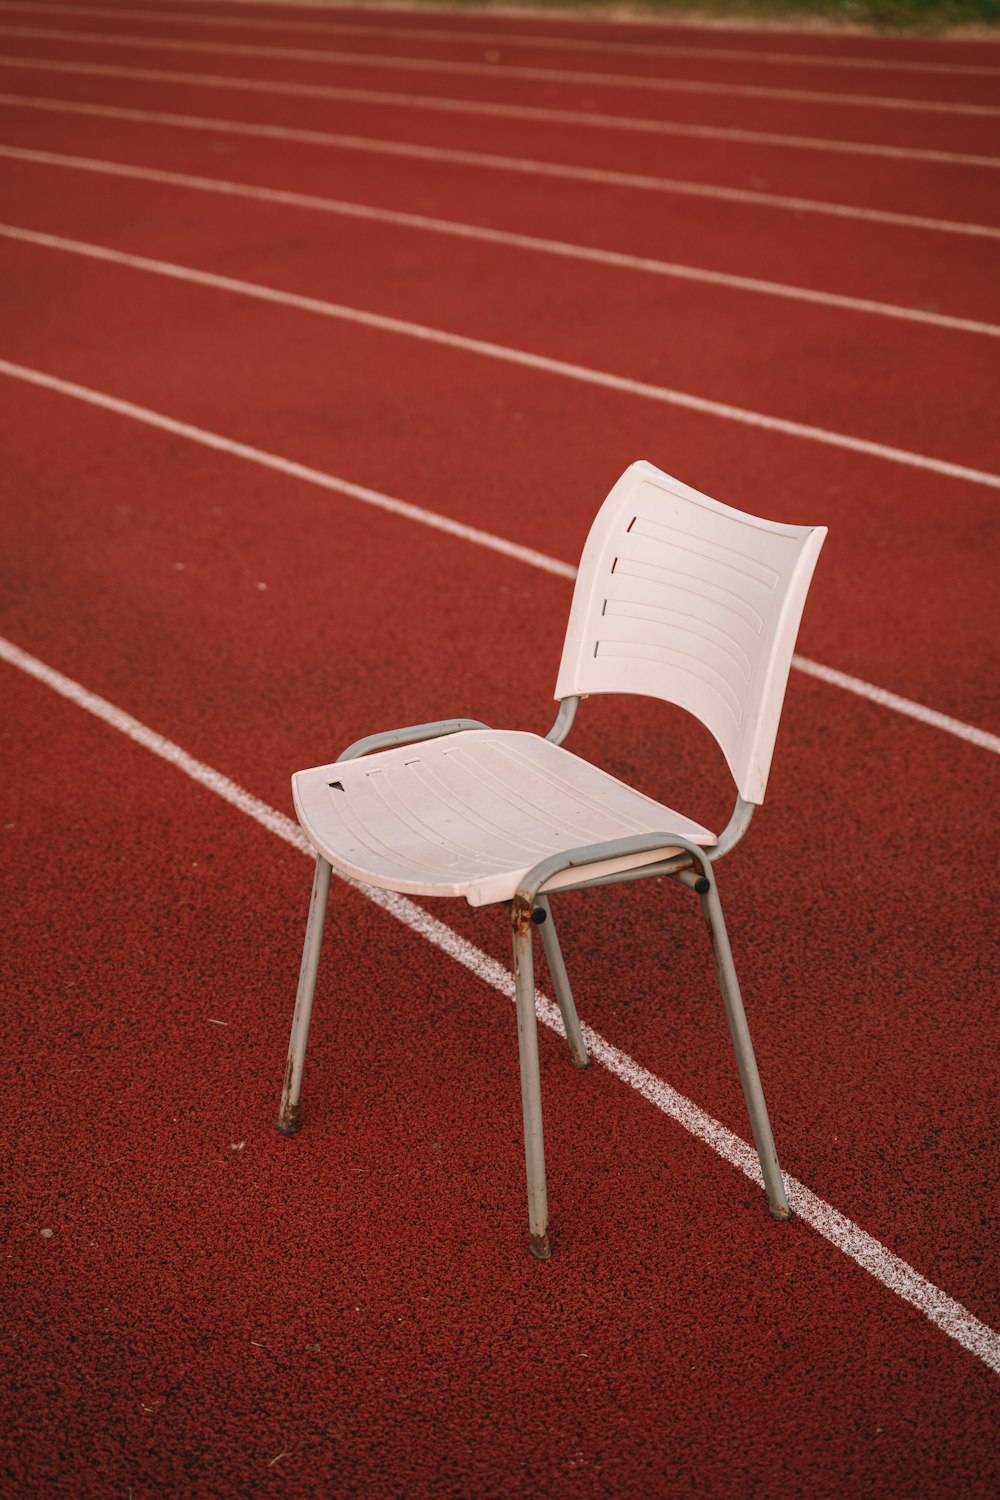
x=155, y=1258
x=929, y=264
x=968, y=198
x=505, y=67
x=875, y=973
x=931, y=80
x=799, y=1331
x=628, y=34
x=953, y=1319
x=319, y=410
x=670, y=334
x=576, y=120
x=899, y=1278
x=257, y=709
x=854, y=120
x=436, y=521
x=949, y=190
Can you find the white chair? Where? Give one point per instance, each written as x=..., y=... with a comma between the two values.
x=679, y=598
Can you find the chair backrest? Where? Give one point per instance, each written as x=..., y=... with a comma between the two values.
x=682, y=598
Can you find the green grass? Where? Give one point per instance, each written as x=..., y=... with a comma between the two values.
x=915, y=16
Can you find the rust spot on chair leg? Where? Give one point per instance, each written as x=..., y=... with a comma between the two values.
x=520, y=915
x=288, y=1114
x=540, y=1247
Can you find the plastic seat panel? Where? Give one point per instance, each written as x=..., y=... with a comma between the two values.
x=470, y=814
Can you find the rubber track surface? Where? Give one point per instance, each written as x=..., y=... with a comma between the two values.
x=199, y=1306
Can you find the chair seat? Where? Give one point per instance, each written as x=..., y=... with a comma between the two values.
x=469, y=814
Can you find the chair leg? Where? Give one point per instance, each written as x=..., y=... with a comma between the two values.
x=289, y=1111
x=531, y=1087
x=745, y=1060
x=560, y=982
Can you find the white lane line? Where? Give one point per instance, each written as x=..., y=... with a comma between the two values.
x=588, y=119
x=506, y=355
x=870, y=1254
x=528, y=555
x=388, y=62
x=489, y=161
x=291, y=469
x=881, y=696
x=526, y=39
x=611, y=258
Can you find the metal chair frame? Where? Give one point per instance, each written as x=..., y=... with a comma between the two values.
x=691, y=868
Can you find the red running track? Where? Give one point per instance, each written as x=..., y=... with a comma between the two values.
x=198, y=1306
